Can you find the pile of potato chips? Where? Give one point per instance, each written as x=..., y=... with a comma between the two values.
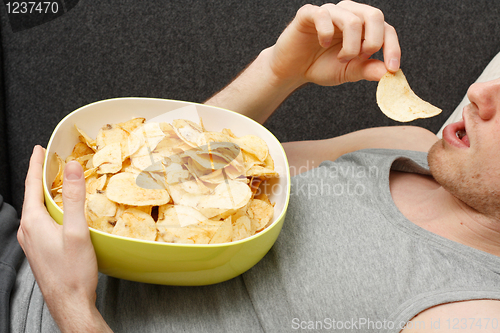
x=173, y=182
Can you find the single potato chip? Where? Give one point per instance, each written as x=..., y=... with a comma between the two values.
x=135, y=223
x=253, y=145
x=108, y=159
x=103, y=223
x=227, y=195
x=242, y=228
x=224, y=233
x=132, y=124
x=183, y=224
x=187, y=131
x=60, y=173
x=95, y=183
x=397, y=101
x=86, y=139
x=261, y=212
x=79, y=150
x=122, y=188
x=99, y=205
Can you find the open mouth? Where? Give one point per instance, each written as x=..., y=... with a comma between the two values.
x=462, y=136
x=456, y=135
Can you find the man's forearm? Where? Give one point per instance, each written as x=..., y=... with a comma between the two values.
x=256, y=92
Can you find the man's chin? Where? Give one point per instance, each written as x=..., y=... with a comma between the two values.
x=434, y=157
x=441, y=167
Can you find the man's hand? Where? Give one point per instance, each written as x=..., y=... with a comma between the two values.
x=62, y=258
x=331, y=44
x=326, y=45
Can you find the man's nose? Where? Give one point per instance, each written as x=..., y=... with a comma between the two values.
x=486, y=96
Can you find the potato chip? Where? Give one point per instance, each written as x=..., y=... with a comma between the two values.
x=227, y=195
x=253, y=145
x=145, y=159
x=84, y=160
x=120, y=209
x=397, y=101
x=227, y=131
x=261, y=213
x=79, y=150
x=93, y=183
x=135, y=223
x=259, y=171
x=148, y=136
x=90, y=163
x=224, y=233
x=188, y=131
x=182, y=215
x=242, y=228
x=122, y=188
x=60, y=173
x=206, y=137
x=103, y=223
x=86, y=139
x=167, y=129
x=99, y=205
x=89, y=172
x=183, y=224
x=112, y=134
x=269, y=162
x=58, y=200
x=167, y=147
x=249, y=160
x=108, y=159
x=132, y=124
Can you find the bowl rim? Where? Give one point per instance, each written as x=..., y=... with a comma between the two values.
x=117, y=237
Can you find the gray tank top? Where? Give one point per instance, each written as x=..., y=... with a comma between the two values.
x=346, y=260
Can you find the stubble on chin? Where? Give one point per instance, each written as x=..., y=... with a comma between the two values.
x=435, y=160
x=461, y=180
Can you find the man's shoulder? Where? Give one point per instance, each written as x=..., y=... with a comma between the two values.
x=466, y=316
x=393, y=137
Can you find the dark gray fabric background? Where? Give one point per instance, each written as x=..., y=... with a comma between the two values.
x=189, y=50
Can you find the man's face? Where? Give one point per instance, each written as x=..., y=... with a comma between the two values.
x=466, y=161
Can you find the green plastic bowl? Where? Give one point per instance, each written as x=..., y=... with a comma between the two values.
x=166, y=263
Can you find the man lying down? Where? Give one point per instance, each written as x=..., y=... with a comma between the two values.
x=414, y=246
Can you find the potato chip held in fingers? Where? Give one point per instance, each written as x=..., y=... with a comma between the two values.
x=397, y=101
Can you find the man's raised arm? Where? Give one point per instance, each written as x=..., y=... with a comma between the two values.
x=326, y=45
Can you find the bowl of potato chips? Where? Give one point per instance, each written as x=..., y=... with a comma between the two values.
x=178, y=193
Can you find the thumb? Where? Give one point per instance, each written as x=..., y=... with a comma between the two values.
x=73, y=193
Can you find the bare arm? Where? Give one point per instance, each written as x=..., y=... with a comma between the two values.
x=305, y=155
x=466, y=316
x=326, y=45
x=256, y=92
